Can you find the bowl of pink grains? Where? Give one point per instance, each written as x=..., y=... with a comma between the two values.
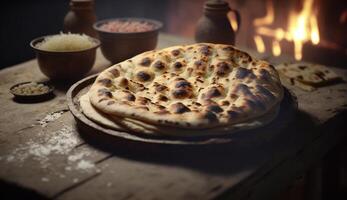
x=123, y=38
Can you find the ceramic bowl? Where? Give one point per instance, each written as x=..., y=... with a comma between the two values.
x=119, y=46
x=65, y=65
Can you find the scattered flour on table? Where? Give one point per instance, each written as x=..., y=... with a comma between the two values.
x=85, y=165
x=77, y=156
x=61, y=142
x=44, y=179
x=50, y=118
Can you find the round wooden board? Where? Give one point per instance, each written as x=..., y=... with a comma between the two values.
x=286, y=114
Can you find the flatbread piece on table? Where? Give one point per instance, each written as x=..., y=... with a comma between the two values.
x=307, y=76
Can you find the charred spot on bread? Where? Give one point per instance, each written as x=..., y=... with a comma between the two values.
x=105, y=92
x=143, y=76
x=177, y=65
x=159, y=65
x=175, y=52
x=163, y=98
x=242, y=72
x=160, y=107
x=228, y=48
x=212, y=93
x=245, y=57
x=183, y=84
x=225, y=103
x=123, y=82
x=205, y=50
x=130, y=97
x=234, y=96
x=114, y=72
x=111, y=102
x=160, y=88
x=145, y=62
x=200, y=67
x=105, y=82
x=210, y=116
x=179, y=108
x=197, y=103
x=264, y=74
x=223, y=69
x=214, y=108
x=181, y=93
x=142, y=100
x=198, y=64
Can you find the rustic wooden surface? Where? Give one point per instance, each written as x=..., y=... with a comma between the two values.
x=54, y=159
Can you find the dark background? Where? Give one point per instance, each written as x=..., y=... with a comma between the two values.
x=26, y=20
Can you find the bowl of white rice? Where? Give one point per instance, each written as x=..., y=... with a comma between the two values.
x=65, y=56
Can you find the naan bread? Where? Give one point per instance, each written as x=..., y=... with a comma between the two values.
x=98, y=117
x=195, y=86
x=309, y=74
x=113, y=122
x=127, y=124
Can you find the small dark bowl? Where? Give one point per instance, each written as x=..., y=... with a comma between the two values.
x=65, y=65
x=118, y=46
x=34, y=97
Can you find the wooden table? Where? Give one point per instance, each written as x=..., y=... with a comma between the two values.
x=41, y=150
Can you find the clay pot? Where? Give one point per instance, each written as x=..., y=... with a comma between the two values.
x=214, y=26
x=80, y=18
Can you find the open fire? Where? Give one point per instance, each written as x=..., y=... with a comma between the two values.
x=302, y=27
x=310, y=30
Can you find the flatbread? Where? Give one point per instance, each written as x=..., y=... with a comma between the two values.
x=195, y=86
x=308, y=74
x=127, y=124
x=113, y=122
x=98, y=117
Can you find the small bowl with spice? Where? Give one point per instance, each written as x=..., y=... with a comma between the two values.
x=65, y=56
x=32, y=91
x=122, y=38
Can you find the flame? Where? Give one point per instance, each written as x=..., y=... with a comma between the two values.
x=276, y=48
x=268, y=18
x=259, y=44
x=233, y=21
x=314, y=30
x=302, y=27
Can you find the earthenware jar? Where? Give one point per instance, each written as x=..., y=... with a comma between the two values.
x=81, y=17
x=214, y=26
